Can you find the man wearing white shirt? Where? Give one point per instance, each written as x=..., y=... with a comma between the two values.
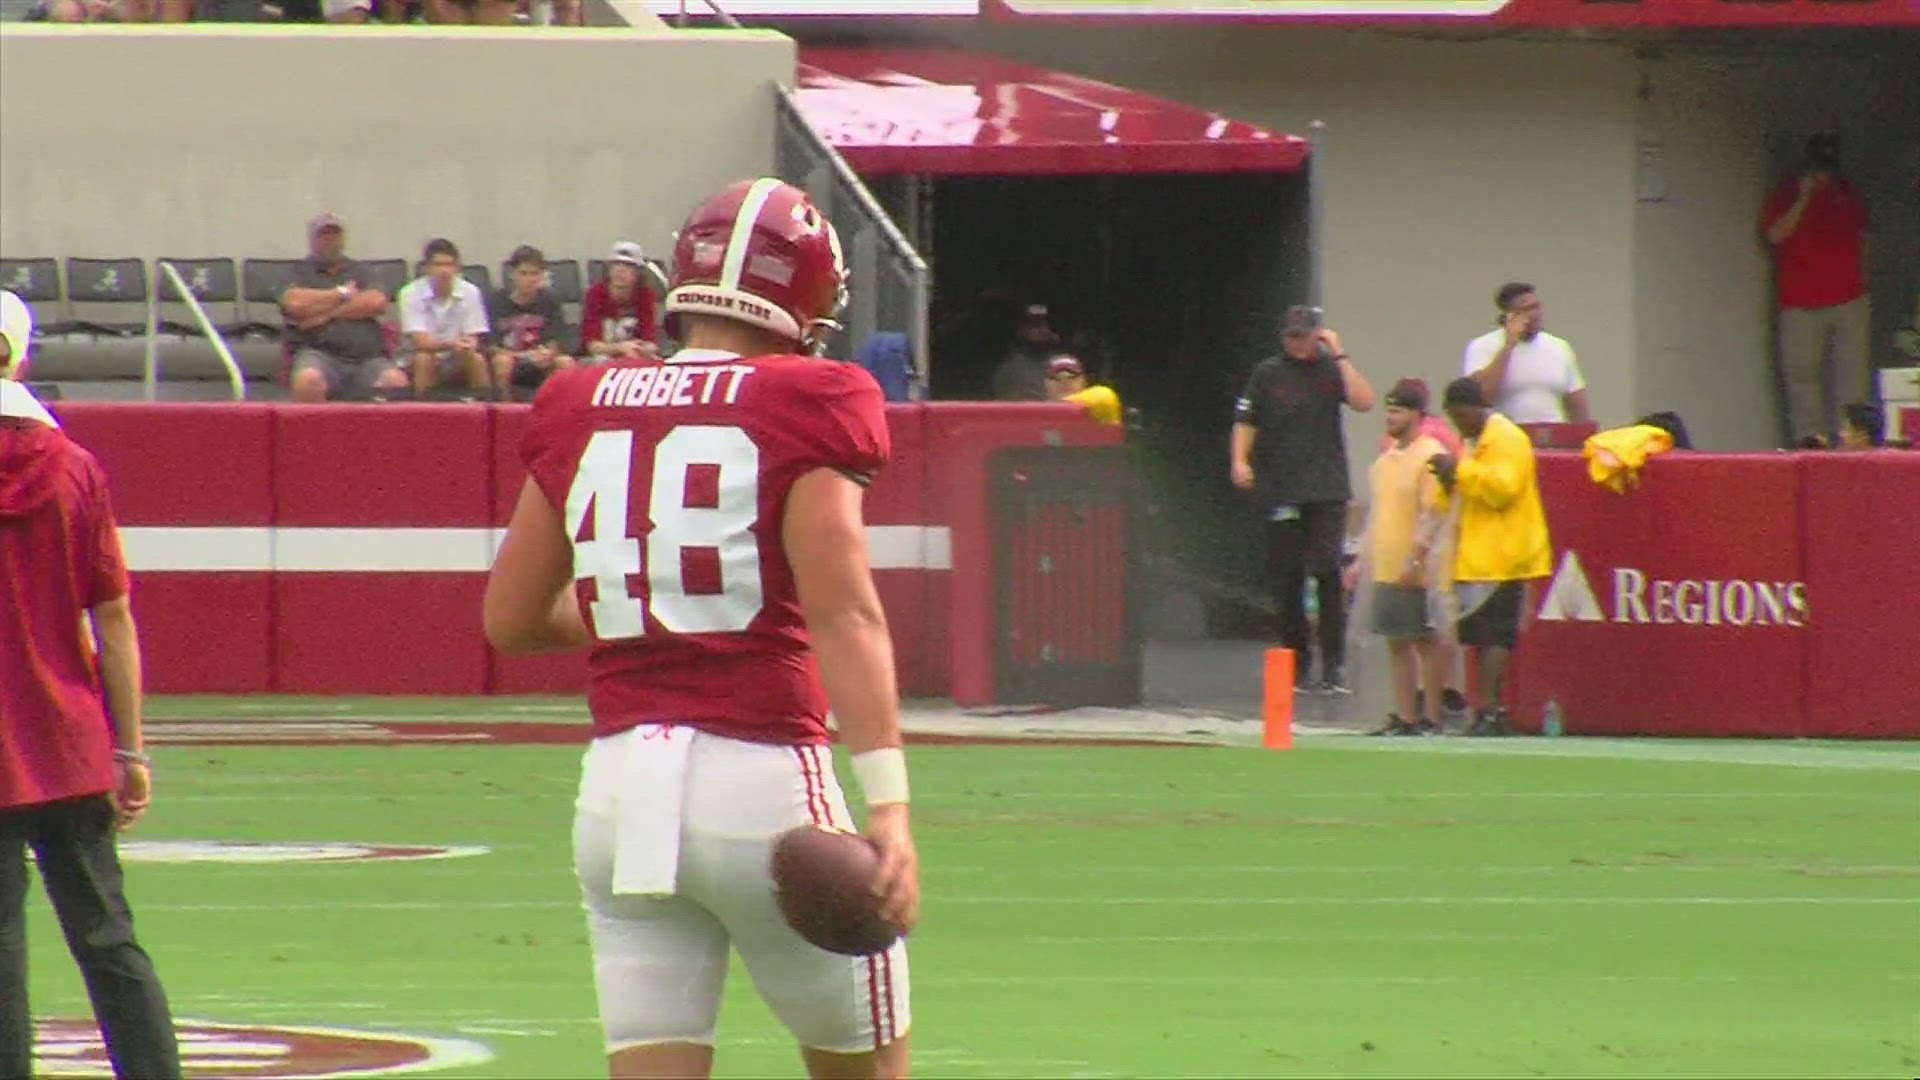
x=1530, y=375
x=443, y=317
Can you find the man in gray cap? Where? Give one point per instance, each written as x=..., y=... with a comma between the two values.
x=333, y=311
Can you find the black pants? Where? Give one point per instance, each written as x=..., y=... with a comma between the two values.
x=1303, y=547
x=72, y=840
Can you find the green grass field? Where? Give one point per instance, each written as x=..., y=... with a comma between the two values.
x=1538, y=908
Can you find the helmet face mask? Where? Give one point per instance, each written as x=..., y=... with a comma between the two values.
x=761, y=253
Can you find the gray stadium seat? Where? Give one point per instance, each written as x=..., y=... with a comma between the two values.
x=37, y=281
x=477, y=273
x=391, y=275
x=264, y=281
x=118, y=286
x=213, y=282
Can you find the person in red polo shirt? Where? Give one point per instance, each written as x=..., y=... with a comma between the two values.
x=72, y=771
x=1816, y=223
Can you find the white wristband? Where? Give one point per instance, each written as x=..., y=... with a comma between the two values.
x=882, y=774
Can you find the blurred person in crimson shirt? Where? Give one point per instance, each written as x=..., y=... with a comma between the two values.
x=1816, y=223
x=72, y=771
x=617, y=317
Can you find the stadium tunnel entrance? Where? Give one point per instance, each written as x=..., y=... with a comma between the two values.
x=1165, y=242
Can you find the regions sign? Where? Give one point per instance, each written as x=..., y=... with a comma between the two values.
x=73, y=1048
x=1639, y=597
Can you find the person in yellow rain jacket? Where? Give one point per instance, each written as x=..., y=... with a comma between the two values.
x=1502, y=540
x=1067, y=381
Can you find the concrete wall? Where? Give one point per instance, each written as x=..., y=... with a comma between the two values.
x=222, y=139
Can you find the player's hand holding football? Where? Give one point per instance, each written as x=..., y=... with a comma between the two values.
x=898, y=882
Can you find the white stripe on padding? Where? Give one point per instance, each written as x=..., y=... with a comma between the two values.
x=743, y=222
x=420, y=550
x=382, y=550
x=238, y=549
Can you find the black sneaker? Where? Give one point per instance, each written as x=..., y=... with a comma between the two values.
x=1427, y=729
x=1334, y=681
x=1302, y=684
x=1396, y=726
x=1490, y=723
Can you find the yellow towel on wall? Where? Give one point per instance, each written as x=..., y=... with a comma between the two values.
x=1614, y=457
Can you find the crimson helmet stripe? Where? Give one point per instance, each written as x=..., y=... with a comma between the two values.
x=743, y=223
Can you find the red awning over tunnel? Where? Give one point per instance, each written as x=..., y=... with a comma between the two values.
x=947, y=112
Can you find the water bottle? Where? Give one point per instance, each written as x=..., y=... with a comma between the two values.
x=1550, y=719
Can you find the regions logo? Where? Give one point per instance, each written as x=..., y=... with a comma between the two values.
x=270, y=851
x=73, y=1048
x=1638, y=598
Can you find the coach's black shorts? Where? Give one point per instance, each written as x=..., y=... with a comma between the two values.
x=1494, y=621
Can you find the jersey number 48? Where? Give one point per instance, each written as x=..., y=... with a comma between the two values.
x=609, y=554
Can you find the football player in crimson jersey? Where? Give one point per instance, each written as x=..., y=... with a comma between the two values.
x=697, y=524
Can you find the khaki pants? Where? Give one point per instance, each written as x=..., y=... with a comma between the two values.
x=1811, y=340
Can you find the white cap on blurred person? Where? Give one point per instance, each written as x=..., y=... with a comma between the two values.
x=16, y=325
x=626, y=251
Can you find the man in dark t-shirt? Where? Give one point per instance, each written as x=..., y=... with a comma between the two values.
x=528, y=326
x=1288, y=449
x=333, y=309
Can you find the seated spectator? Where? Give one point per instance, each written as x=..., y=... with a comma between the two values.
x=333, y=312
x=470, y=12
x=122, y=11
x=1862, y=426
x=444, y=319
x=1067, y=381
x=528, y=326
x=617, y=314
x=1022, y=375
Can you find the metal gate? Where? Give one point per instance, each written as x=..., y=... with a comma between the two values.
x=1065, y=620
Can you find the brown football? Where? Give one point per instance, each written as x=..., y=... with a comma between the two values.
x=823, y=881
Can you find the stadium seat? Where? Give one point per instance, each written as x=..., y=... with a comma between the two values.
x=37, y=281
x=263, y=281
x=212, y=281
x=477, y=273
x=118, y=286
x=390, y=275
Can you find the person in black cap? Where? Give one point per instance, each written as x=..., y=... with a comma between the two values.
x=1816, y=224
x=1289, y=450
x=1501, y=543
x=1022, y=375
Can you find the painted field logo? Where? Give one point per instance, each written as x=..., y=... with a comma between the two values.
x=255, y=851
x=72, y=1048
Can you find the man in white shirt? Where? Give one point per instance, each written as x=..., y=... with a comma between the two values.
x=1530, y=375
x=443, y=317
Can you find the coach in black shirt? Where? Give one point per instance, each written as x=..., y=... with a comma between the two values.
x=1289, y=451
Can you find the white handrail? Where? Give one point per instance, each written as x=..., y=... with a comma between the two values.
x=214, y=337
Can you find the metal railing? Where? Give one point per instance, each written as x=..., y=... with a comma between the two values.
x=890, y=285
x=212, y=332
